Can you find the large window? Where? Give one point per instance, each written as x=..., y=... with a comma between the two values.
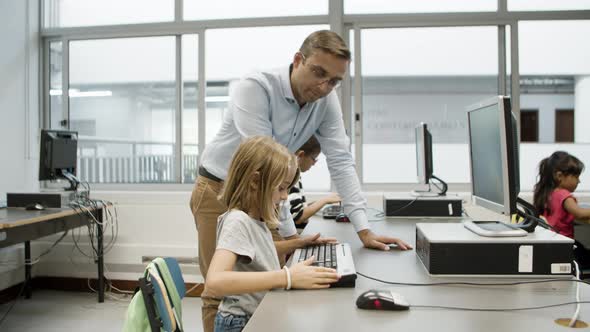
x=71, y=13
x=422, y=6
x=220, y=9
x=555, y=80
x=55, y=73
x=122, y=103
x=190, y=115
x=535, y=5
x=422, y=75
x=249, y=52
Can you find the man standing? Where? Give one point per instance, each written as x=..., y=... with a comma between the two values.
x=289, y=104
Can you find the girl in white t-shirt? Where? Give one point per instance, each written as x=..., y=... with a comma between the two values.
x=245, y=264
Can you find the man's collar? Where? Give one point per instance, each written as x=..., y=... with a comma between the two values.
x=285, y=77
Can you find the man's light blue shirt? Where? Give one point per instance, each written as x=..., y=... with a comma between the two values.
x=263, y=104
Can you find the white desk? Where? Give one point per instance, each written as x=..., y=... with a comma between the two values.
x=335, y=309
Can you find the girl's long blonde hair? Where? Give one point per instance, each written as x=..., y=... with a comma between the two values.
x=261, y=161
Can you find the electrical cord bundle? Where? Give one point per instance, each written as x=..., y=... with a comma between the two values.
x=84, y=207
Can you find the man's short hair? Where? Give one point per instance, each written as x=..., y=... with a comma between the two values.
x=327, y=41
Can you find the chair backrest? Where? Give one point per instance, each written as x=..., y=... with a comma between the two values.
x=157, y=306
x=172, y=288
x=165, y=310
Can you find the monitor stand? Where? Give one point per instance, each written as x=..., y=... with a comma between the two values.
x=424, y=193
x=494, y=229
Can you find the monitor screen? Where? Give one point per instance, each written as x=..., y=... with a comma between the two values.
x=423, y=153
x=57, y=153
x=493, y=149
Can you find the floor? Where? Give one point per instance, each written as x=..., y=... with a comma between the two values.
x=69, y=311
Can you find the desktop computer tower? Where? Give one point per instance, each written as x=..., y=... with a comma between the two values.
x=449, y=249
x=47, y=199
x=439, y=206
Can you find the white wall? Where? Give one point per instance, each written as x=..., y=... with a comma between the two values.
x=18, y=111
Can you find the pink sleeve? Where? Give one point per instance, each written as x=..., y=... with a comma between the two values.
x=561, y=195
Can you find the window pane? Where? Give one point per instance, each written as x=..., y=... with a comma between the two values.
x=422, y=6
x=222, y=68
x=209, y=10
x=537, y=5
x=555, y=80
x=55, y=93
x=122, y=101
x=190, y=120
x=69, y=13
x=430, y=76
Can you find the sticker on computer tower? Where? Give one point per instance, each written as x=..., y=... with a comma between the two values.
x=525, y=259
x=560, y=268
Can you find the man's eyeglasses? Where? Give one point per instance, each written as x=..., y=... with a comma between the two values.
x=320, y=75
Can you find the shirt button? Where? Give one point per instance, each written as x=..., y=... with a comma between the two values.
x=295, y=134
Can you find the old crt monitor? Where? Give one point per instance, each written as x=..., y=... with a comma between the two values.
x=493, y=152
x=424, y=162
x=58, y=156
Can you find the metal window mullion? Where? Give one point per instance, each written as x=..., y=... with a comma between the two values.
x=358, y=104
x=502, y=60
x=178, y=11
x=515, y=74
x=335, y=16
x=502, y=9
x=502, y=6
x=201, y=106
x=346, y=91
x=45, y=102
x=178, y=167
x=65, y=80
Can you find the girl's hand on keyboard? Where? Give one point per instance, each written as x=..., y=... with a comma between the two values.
x=315, y=240
x=305, y=276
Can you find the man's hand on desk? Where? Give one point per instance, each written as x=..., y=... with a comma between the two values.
x=374, y=241
x=310, y=240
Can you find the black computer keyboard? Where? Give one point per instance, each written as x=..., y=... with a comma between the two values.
x=332, y=211
x=337, y=256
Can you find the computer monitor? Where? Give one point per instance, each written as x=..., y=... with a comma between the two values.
x=58, y=156
x=493, y=152
x=424, y=168
x=423, y=153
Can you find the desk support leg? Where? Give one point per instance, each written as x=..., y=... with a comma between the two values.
x=100, y=261
x=28, y=288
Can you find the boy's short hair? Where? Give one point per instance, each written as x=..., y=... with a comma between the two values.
x=326, y=41
x=311, y=146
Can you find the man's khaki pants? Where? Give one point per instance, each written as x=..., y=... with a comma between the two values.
x=206, y=209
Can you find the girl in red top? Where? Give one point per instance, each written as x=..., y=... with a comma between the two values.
x=559, y=175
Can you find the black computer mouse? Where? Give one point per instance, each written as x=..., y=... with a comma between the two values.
x=35, y=207
x=375, y=299
x=342, y=217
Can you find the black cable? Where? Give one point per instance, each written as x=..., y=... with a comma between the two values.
x=498, y=309
x=444, y=188
x=472, y=283
x=392, y=213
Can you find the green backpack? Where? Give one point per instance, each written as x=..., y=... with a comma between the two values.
x=157, y=305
